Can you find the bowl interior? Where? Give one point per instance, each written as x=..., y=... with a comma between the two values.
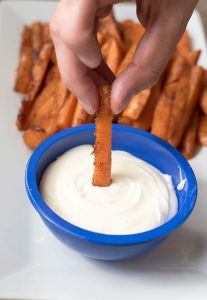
x=139, y=143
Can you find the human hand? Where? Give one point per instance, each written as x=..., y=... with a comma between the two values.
x=73, y=30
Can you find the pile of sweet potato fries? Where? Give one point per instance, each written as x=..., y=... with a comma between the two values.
x=175, y=109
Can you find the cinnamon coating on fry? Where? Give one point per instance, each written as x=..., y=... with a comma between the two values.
x=103, y=134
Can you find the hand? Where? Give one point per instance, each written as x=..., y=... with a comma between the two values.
x=73, y=30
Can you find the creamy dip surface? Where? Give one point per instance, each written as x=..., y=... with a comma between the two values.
x=140, y=197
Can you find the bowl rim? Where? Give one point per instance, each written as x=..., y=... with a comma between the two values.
x=100, y=238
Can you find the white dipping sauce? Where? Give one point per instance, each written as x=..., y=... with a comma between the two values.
x=140, y=197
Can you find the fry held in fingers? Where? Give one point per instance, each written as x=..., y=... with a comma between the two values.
x=103, y=134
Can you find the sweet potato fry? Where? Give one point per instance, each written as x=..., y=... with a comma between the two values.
x=52, y=73
x=144, y=121
x=184, y=45
x=114, y=57
x=65, y=115
x=124, y=121
x=34, y=136
x=100, y=38
x=127, y=58
x=202, y=130
x=105, y=48
x=131, y=32
x=136, y=105
x=203, y=98
x=38, y=74
x=25, y=63
x=80, y=116
x=39, y=70
x=193, y=57
x=53, y=57
x=188, y=144
x=47, y=106
x=172, y=103
x=46, y=34
x=23, y=113
x=102, y=147
x=193, y=97
x=37, y=39
x=109, y=28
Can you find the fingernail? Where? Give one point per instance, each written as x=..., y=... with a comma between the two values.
x=91, y=63
x=90, y=110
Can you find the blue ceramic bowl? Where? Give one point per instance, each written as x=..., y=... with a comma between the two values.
x=139, y=143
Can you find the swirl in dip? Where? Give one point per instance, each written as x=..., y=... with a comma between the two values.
x=140, y=197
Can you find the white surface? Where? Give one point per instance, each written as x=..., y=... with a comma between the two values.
x=33, y=264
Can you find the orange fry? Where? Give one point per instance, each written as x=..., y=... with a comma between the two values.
x=102, y=147
x=202, y=130
x=136, y=105
x=25, y=63
x=80, y=116
x=46, y=34
x=173, y=100
x=34, y=136
x=188, y=144
x=184, y=45
x=124, y=121
x=100, y=38
x=45, y=110
x=105, y=49
x=127, y=58
x=39, y=70
x=37, y=39
x=65, y=115
x=53, y=57
x=193, y=57
x=114, y=56
x=203, y=98
x=52, y=73
x=131, y=32
x=109, y=28
x=193, y=97
x=144, y=121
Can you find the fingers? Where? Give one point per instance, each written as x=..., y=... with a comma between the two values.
x=150, y=58
x=73, y=24
x=76, y=77
x=76, y=46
